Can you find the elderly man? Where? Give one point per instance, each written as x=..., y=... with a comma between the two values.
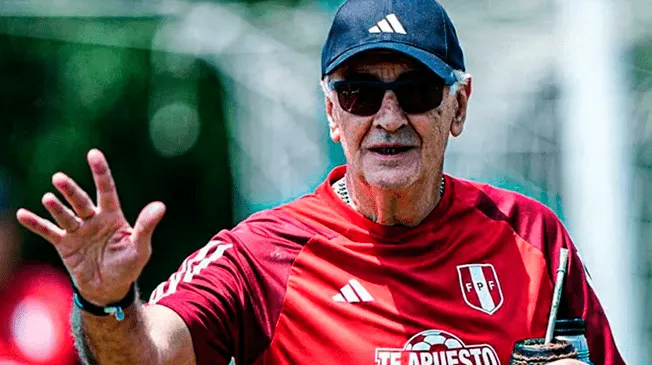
x=389, y=261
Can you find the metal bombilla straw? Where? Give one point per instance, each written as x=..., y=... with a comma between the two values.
x=556, y=298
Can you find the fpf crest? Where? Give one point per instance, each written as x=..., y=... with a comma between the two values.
x=480, y=287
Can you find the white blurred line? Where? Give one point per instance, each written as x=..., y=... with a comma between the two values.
x=113, y=8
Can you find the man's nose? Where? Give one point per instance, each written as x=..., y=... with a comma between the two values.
x=390, y=116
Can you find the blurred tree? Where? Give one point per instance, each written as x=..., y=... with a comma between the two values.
x=641, y=79
x=59, y=99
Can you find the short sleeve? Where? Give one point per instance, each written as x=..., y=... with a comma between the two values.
x=208, y=292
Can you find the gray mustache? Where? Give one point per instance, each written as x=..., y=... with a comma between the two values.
x=403, y=136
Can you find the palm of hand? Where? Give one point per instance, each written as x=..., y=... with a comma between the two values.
x=102, y=252
x=101, y=255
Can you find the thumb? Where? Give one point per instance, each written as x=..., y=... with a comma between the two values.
x=147, y=221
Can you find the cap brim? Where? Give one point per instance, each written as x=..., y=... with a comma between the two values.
x=428, y=59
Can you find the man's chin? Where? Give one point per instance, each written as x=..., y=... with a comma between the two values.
x=395, y=179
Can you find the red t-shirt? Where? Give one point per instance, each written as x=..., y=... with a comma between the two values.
x=315, y=282
x=35, y=318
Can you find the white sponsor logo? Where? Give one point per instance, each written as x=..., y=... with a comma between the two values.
x=353, y=292
x=436, y=347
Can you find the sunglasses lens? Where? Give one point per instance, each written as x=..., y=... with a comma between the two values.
x=420, y=96
x=360, y=99
x=417, y=93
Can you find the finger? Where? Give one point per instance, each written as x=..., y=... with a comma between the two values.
x=40, y=226
x=107, y=196
x=80, y=202
x=147, y=220
x=64, y=217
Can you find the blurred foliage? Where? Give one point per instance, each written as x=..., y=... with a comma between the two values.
x=642, y=59
x=60, y=98
x=642, y=83
x=641, y=78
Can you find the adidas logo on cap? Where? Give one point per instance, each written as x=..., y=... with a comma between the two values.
x=389, y=24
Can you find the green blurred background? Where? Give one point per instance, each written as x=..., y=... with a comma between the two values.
x=59, y=99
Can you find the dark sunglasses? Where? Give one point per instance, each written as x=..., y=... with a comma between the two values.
x=416, y=94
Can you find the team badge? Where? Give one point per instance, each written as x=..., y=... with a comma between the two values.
x=480, y=287
x=436, y=347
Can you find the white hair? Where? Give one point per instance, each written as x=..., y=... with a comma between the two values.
x=324, y=84
x=461, y=81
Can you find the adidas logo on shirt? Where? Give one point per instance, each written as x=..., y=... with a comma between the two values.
x=389, y=24
x=353, y=292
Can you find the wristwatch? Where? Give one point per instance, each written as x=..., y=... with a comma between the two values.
x=116, y=309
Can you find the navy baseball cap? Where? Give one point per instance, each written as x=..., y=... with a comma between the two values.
x=420, y=29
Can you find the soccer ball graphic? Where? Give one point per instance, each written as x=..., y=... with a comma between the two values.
x=433, y=340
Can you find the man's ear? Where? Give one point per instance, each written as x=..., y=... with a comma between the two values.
x=333, y=128
x=462, y=96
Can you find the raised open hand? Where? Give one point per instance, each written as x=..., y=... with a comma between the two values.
x=102, y=252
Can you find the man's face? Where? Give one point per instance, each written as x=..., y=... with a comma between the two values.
x=392, y=149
